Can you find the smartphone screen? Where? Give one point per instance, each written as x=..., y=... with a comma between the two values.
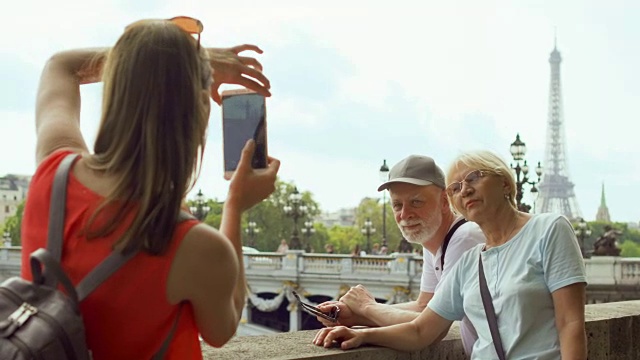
x=243, y=118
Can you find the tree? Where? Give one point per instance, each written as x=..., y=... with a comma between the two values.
x=345, y=238
x=271, y=220
x=371, y=208
x=319, y=238
x=630, y=249
x=13, y=225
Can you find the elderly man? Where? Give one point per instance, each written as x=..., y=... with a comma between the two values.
x=421, y=209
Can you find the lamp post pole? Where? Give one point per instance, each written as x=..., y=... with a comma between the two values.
x=296, y=209
x=518, y=149
x=582, y=231
x=252, y=230
x=368, y=230
x=200, y=209
x=384, y=176
x=308, y=230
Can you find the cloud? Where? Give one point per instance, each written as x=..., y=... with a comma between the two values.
x=358, y=82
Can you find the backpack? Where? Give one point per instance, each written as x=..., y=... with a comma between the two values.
x=37, y=320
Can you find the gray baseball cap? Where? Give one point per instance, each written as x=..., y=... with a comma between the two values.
x=417, y=170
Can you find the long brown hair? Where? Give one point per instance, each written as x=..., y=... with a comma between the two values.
x=152, y=132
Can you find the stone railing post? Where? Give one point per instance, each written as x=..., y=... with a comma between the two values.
x=601, y=270
x=295, y=317
x=401, y=264
x=347, y=265
x=293, y=261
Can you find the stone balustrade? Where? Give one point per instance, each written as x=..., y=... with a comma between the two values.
x=612, y=330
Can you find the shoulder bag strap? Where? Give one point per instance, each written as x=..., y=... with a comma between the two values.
x=490, y=311
x=447, y=238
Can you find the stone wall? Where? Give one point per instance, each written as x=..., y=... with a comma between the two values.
x=613, y=332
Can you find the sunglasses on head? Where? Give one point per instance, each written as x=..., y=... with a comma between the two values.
x=189, y=25
x=331, y=316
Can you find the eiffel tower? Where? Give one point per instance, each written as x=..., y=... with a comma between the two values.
x=556, y=190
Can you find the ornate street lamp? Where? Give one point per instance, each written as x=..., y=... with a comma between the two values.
x=200, y=209
x=384, y=176
x=368, y=230
x=308, y=230
x=252, y=230
x=582, y=231
x=296, y=209
x=518, y=150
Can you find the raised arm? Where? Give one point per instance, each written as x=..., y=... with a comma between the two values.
x=208, y=269
x=58, y=99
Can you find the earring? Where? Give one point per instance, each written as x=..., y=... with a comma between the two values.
x=506, y=196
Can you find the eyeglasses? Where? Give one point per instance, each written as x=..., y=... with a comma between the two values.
x=331, y=316
x=455, y=187
x=189, y=25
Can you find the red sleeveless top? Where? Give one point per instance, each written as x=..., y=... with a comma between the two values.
x=127, y=316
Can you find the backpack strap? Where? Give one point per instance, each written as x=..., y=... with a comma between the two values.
x=57, y=207
x=159, y=355
x=52, y=256
x=447, y=238
x=109, y=265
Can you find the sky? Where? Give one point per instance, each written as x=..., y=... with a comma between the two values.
x=358, y=82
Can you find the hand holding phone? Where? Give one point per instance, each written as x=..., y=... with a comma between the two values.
x=243, y=118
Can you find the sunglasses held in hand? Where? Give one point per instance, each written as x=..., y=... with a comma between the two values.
x=331, y=316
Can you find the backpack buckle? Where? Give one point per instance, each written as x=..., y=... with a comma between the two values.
x=22, y=314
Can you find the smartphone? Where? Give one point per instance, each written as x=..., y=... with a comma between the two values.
x=244, y=117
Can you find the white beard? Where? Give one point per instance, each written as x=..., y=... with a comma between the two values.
x=428, y=227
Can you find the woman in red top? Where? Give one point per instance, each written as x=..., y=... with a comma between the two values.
x=126, y=195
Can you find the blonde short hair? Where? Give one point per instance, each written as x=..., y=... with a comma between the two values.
x=486, y=161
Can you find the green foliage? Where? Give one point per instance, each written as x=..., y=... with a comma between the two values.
x=597, y=230
x=13, y=225
x=345, y=238
x=372, y=208
x=214, y=216
x=630, y=249
x=319, y=238
x=271, y=221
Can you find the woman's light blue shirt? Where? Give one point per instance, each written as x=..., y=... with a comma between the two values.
x=521, y=274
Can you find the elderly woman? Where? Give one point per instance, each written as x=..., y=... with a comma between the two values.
x=532, y=265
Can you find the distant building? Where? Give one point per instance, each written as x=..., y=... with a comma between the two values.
x=603, y=210
x=13, y=190
x=342, y=217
